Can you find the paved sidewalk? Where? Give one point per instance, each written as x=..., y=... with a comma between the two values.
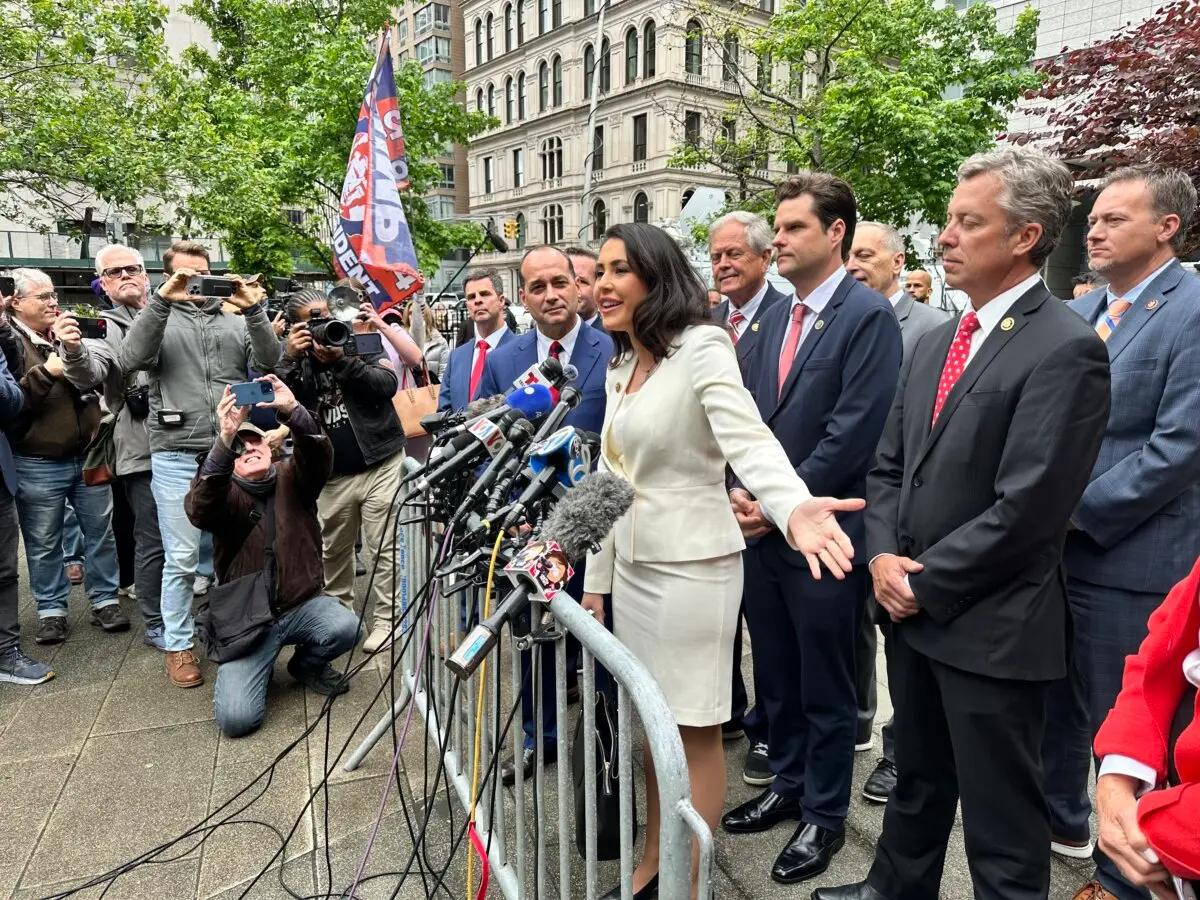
x=108, y=761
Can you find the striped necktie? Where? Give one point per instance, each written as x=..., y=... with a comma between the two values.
x=735, y=323
x=1112, y=318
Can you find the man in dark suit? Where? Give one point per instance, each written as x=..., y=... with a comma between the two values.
x=549, y=293
x=1135, y=531
x=484, y=290
x=583, y=261
x=877, y=259
x=739, y=249
x=823, y=377
x=994, y=429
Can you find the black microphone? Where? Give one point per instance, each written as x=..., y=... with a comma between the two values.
x=498, y=242
x=440, y=454
x=518, y=436
x=532, y=402
x=485, y=437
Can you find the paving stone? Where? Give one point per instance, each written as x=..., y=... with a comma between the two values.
x=30, y=790
x=134, y=705
x=81, y=663
x=51, y=725
x=149, y=882
x=296, y=877
x=360, y=702
x=283, y=725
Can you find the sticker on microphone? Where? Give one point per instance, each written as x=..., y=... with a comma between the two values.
x=489, y=434
x=544, y=564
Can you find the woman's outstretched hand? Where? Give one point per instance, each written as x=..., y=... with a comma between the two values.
x=814, y=531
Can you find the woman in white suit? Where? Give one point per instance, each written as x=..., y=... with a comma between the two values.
x=677, y=413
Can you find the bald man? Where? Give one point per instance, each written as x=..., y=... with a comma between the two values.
x=919, y=285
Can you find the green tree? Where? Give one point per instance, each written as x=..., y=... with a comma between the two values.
x=74, y=107
x=264, y=125
x=890, y=95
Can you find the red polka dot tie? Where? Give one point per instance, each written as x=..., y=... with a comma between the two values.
x=956, y=361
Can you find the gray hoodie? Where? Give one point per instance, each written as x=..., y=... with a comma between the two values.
x=192, y=352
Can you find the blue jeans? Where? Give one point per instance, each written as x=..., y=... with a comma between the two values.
x=322, y=630
x=73, y=549
x=44, y=486
x=171, y=476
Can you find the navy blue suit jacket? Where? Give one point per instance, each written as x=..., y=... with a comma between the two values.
x=837, y=396
x=12, y=401
x=1137, y=517
x=593, y=349
x=750, y=337
x=456, y=377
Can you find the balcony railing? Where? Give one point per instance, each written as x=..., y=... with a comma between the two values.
x=34, y=246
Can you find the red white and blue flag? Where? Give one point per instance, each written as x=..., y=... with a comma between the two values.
x=371, y=240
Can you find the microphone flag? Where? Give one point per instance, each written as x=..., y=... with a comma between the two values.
x=371, y=238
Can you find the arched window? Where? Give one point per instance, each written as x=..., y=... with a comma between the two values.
x=552, y=158
x=693, y=48
x=631, y=56
x=730, y=58
x=508, y=28
x=641, y=207
x=479, y=99
x=599, y=220
x=589, y=66
x=492, y=101
x=520, y=95
x=490, y=42
x=510, y=101
x=552, y=224
x=543, y=87
x=605, y=67
x=520, y=22
x=687, y=195
x=478, y=42
x=558, y=81
x=543, y=16
x=520, y=231
x=649, y=33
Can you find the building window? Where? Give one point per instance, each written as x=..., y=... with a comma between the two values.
x=691, y=128
x=598, y=148
x=433, y=49
x=543, y=87
x=599, y=220
x=639, y=137
x=520, y=22
x=487, y=175
x=432, y=16
x=447, y=175
x=589, y=67
x=552, y=224
x=555, y=13
x=437, y=76
x=648, y=50
x=767, y=5
x=441, y=207
x=558, y=81
x=589, y=8
x=605, y=67
x=492, y=101
x=641, y=208
x=729, y=130
x=543, y=16
x=490, y=42
x=687, y=196
x=510, y=101
x=479, y=100
x=478, y=42
x=631, y=55
x=520, y=231
x=693, y=49
x=552, y=158
x=764, y=71
x=521, y=95
x=730, y=58
x=508, y=28
x=402, y=31
x=518, y=163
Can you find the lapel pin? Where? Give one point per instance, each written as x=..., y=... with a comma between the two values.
x=1007, y=324
x=618, y=387
x=754, y=327
x=1153, y=304
x=820, y=324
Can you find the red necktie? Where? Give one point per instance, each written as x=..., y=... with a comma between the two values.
x=791, y=344
x=956, y=361
x=477, y=369
x=556, y=350
x=735, y=322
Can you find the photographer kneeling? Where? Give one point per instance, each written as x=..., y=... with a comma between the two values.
x=254, y=508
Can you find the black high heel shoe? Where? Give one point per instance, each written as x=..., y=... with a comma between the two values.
x=649, y=892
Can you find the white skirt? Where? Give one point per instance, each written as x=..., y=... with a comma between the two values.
x=680, y=619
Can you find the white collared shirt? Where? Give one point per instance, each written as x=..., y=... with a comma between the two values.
x=995, y=310
x=749, y=310
x=895, y=298
x=568, y=343
x=492, y=340
x=816, y=303
x=1131, y=295
x=591, y=323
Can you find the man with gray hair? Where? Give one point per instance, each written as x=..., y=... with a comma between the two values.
x=1134, y=533
x=996, y=424
x=91, y=363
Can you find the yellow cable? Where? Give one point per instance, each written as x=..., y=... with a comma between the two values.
x=487, y=611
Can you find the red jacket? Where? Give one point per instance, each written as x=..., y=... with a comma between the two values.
x=1139, y=727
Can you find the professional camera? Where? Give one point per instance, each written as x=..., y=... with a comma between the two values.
x=281, y=290
x=329, y=332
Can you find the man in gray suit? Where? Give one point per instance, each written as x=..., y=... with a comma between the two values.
x=1135, y=533
x=877, y=259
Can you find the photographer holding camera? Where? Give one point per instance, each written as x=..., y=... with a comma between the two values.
x=351, y=396
x=263, y=519
x=192, y=351
x=90, y=363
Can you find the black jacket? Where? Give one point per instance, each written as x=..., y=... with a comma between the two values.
x=368, y=385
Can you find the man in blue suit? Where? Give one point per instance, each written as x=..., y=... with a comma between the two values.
x=1135, y=532
x=15, y=666
x=823, y=377
x=550, y=294
x=484, y=291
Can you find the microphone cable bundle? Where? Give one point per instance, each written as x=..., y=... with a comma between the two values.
x=507, y=487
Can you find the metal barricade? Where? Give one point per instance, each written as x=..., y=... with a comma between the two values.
x=518, y=836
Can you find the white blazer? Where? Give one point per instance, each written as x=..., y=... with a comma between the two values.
x=690, y=418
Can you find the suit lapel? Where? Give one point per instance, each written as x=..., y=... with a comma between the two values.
x=586, y=355
x=1152, y=299
x=820, y=327
x=462, y=373
x=903, y=307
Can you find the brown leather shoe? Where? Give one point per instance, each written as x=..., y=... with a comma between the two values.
x=183, y=670
x=1093, y=890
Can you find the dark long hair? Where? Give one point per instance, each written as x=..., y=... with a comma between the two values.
x=675, y=297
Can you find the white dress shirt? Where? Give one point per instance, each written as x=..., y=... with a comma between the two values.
x=594, y=320
x=567, y=341
x=816, y=303
x=995, y=310
x=895, y=298
x=492, y=340
x=749, y=310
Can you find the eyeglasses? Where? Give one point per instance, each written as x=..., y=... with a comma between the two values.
x=117, y=271
x=47, y=297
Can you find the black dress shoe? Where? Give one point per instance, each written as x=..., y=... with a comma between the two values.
x=508, y=769
x=880, y=783
x=860, y=891
x=646, y=893
x=762, y=813
x=808, y=853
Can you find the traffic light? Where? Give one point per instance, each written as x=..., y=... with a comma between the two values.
x=511, y=229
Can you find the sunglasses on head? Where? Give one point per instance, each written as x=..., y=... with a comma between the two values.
x=117, y=271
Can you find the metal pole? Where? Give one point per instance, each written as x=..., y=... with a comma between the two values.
x=589, y=133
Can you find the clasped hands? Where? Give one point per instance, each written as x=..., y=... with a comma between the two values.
x=889, y=575
x=1122, y=839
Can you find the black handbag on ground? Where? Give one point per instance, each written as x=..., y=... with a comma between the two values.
x=608, y=794
x=241, y=612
